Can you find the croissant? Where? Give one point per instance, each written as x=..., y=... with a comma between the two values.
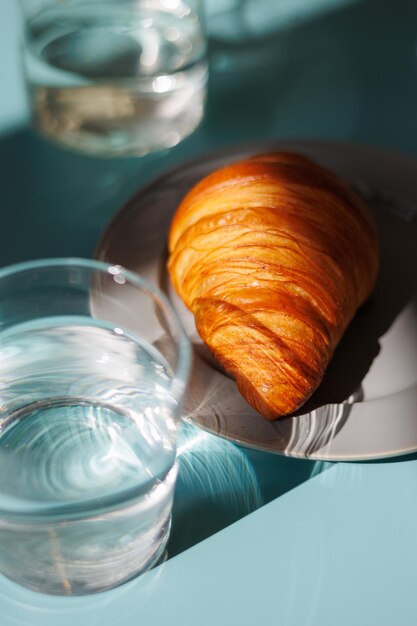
x=273, y=255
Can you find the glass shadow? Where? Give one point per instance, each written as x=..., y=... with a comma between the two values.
x=220, y=482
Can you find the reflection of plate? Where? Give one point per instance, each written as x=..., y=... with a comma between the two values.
x=366, y=406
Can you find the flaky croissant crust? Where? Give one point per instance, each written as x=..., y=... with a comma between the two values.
x=273, y=255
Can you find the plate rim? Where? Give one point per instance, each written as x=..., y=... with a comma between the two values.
x=239, y=150
x=236, y=148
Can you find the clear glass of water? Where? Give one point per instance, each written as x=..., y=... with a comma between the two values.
x=93, y=365
x=115, y=77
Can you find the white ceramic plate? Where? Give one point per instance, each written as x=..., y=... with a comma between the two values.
x=366, y=407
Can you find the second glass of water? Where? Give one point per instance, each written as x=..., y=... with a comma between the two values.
x=93, y=365
x=115, y=77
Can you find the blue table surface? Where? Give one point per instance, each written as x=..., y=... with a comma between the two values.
x=257, y=538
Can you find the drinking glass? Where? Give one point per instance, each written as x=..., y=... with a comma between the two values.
x=115, y=77
x=93, y=365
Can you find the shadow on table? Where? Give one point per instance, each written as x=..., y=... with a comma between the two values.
x=55, y=202
x=219, y=483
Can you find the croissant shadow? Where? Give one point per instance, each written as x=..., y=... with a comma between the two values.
x=396, y=288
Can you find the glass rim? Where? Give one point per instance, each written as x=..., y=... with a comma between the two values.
x=182, y=369
x=90, y=507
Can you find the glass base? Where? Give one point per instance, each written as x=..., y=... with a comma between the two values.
x=63, y=587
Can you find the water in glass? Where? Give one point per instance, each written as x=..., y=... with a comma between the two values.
x=86, y=413
x=119, y=78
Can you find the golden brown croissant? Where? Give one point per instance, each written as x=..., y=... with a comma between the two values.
x=273, y=255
